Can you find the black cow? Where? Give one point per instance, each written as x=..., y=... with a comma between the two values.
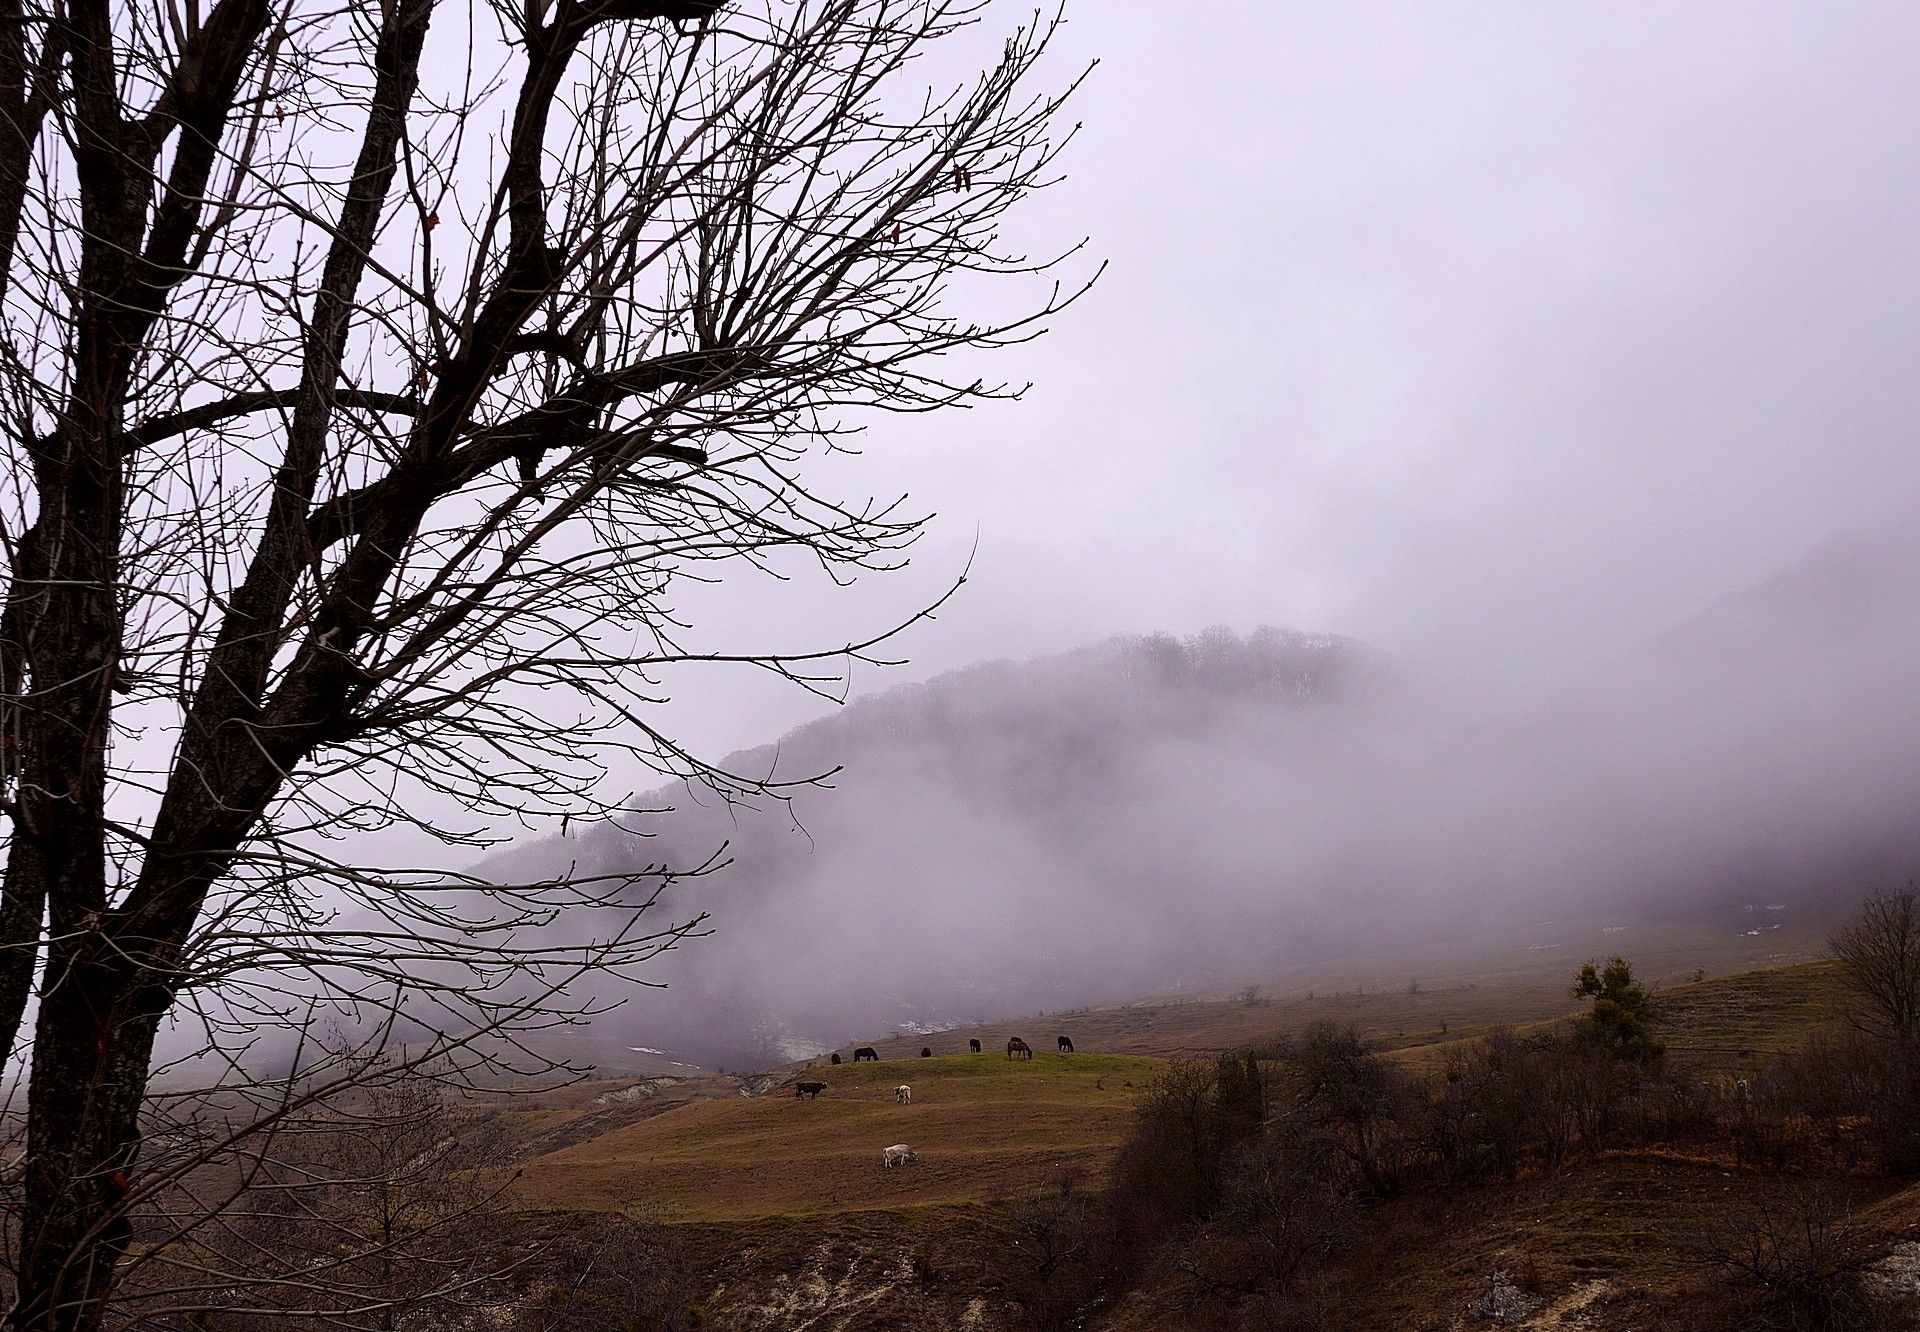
x=1066, y=1045
x=812, y=1089
x=926, y=1052
x=836, y=1056
x=974, y=1046
x=866, y=1052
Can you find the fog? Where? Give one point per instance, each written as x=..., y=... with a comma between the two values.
x=1558, y=359
x=1149, y=814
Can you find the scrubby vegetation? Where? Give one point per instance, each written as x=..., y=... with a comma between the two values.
x=1251, y=1186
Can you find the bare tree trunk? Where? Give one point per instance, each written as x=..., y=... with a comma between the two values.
x=94, y=1033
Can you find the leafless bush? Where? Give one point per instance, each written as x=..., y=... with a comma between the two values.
x=1879, y=956
x=1484, y=1108
x=1051, y=1244
x=1332, y=1076
x=1289, y=1208
x=622, y=1276
x=365, y=1214
x=1678, y=1107
x=1855, y=1094
x=1793, y=1263
x=1505, y=1102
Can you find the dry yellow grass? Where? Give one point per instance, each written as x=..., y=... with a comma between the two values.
x=980, y=1124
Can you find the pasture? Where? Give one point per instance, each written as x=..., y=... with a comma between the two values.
x=981, y=1125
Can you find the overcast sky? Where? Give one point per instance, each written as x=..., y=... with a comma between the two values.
x=1499, y=335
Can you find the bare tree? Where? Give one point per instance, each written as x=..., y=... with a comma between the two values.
x=1879, y=956
x=374, y=375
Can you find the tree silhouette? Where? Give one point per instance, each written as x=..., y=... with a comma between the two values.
x=375, y=376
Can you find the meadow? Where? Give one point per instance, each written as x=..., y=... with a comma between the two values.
x=983, y=1127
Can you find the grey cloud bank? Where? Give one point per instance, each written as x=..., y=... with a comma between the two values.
x=1502, y=338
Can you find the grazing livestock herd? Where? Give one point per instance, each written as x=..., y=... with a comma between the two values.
x=900, y=1153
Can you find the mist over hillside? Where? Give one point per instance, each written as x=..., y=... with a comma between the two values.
x=1149, y=812
x=999, y=839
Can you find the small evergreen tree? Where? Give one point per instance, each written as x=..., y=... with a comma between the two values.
x=1623, y=1015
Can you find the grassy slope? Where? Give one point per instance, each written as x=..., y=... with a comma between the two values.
x=1737, y=1020
x=1408, y=1000
x=981, y=1125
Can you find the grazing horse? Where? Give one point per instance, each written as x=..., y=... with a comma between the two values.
x=836, y=1056
x=1016, y=1046
x=926, y=1052
x=974, y=1045
x=898, y=1154
x=812, y=1089
x=866, y=1052
x=903, y=1094
x=1066, y=1045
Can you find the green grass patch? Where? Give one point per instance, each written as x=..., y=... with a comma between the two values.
x=982, y=1126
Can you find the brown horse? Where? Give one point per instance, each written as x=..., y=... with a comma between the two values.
x=1016, y=1046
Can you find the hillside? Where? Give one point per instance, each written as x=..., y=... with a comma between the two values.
x=783, y=1208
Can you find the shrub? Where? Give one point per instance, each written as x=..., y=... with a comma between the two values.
x=1793, y=1263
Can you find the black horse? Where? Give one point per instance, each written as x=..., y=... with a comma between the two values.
x=1066, y=1045
x=926, y=1052
x=812, y=1089
x=836, y=1056
x=974, y=1046
x=866, y=1052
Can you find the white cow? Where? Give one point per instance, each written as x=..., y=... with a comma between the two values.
x=903, y=1094
x=900, y=1154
